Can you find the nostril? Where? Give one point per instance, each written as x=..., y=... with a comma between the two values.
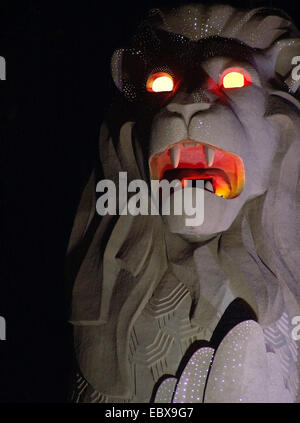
x=187, y=110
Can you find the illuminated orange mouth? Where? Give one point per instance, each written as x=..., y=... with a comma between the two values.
x=223, y=172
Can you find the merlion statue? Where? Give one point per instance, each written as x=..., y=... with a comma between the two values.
x=165, y=312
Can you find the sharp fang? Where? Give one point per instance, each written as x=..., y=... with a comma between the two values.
x=175, y=156
x=209, y=154
x=208, y=186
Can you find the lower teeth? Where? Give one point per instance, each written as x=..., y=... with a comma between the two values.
x=208, y=186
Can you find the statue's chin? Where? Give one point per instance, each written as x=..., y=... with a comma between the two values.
x=198, y=238
x=176, y=225
x=218, y=216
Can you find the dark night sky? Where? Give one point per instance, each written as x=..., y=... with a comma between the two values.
x=51, y=106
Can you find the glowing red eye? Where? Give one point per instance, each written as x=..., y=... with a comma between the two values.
x=160, y=82
x=235, y=78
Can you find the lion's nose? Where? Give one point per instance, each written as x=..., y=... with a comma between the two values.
x=188, y=110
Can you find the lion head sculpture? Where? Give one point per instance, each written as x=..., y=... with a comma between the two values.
x=207, y=93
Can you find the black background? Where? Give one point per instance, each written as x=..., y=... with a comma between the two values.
x=57, y=90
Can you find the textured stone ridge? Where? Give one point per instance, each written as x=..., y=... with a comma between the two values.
x=159, y=339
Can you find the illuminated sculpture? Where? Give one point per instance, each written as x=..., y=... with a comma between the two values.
x=205, y=93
